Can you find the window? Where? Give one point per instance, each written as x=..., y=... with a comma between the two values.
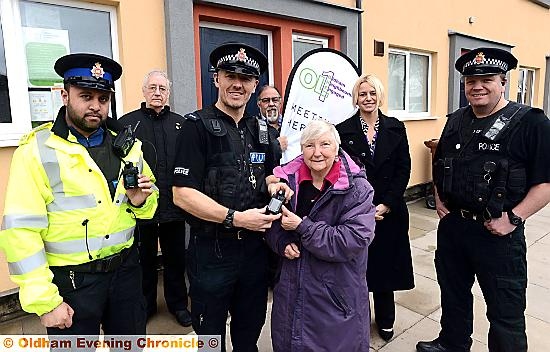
x=408, y=83
x=302, y=43
x=526, y=86
x=41, y=31
x=5, y=111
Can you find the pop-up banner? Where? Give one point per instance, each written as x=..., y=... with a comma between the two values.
x=319, y=87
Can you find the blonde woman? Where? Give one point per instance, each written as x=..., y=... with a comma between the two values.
x=380, y=143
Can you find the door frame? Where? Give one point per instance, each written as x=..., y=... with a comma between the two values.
x=216, y=34
x=229, y=27
x=281, y=16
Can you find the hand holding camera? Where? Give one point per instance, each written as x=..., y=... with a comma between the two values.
x=137, y=195
x=130, y=176
x=276, y=203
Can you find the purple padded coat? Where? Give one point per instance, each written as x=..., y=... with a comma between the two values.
x=321, y=302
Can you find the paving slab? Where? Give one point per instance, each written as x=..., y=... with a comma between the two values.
x=539, y=252
x=419, y=207
x=426, y=242
x=423, y=263
x=534, y=231
x=545, y=239
x=537, y=270
x=415, y=233
x=404, y=320
x=538, y=334
x=425, y=330
x=423, y=299
x=538, y=302
x=423, y=222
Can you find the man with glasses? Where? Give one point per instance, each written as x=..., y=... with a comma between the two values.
x=270, y=103
x=158, y=130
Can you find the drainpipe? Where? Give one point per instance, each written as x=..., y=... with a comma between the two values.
x=360, y=36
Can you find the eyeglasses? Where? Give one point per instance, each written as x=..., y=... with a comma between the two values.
x=274, y=99
x=153, y=89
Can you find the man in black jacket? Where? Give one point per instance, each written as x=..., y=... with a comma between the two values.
x=491, y=173
x=158, y=130
x=223, y=158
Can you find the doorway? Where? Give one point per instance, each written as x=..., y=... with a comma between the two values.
x=210, y=38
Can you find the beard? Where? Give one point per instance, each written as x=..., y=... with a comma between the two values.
x=272, y=115
x=81, y=123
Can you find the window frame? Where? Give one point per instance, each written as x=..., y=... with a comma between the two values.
x=405, y=115
x=532, y=88
x=16, y=64
x=230, y=27
x=308, y=38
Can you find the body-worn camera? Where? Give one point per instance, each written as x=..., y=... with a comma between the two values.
x=130, y=176
x=124, y=141
x=276, y=203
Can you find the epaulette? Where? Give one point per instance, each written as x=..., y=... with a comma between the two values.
x=28, y=136
x=192, y=116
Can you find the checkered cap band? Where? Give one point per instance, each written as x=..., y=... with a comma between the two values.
x=486, y=62
x=235, y=58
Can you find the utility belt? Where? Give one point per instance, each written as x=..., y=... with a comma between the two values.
x=232, y=234
x=103, y=265
x=470, y=215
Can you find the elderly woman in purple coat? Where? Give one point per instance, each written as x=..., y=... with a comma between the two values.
x=321, y=302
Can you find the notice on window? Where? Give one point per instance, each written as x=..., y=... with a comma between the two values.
x=41, y=105
x=43, y=47
x=45, y=103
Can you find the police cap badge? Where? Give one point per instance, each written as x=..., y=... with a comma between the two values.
x=485, y=61
x=239, y=58
x=88, y=71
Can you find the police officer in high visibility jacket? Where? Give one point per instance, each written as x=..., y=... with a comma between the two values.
x=219, y=177
x=68, y=225
x=491, y=171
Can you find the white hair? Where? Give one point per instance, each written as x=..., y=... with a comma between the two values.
x=156, y=73
x=316, y=129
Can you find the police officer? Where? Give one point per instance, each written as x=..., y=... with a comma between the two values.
x=69, y=219
x=491, y=173
x=158, y=130
x=223, y=156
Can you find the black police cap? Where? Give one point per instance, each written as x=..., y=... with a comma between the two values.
x=485, y=61
x=89, y=71
x=239, y=58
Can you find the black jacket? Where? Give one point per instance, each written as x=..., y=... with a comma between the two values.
x=389, y=265
x=390, y=170
x=158, y=133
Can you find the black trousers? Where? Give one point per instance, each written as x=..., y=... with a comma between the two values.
x=171, y=236
x=384, y=309
x=465, y=249
x=112, y=300
x=229, y=275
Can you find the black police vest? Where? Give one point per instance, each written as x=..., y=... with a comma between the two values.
x=235, y=163
x=478, y=174
x=108, y=162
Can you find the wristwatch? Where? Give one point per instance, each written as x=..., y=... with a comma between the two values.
x=228, y=221
x=514, y=219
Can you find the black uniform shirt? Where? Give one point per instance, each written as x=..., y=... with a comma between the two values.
x=191, y=151
x=530, y=143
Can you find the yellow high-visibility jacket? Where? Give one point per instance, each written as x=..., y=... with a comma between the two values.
x=59, y=209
